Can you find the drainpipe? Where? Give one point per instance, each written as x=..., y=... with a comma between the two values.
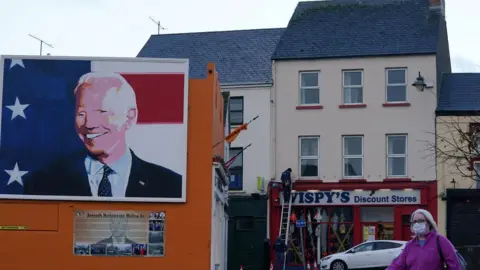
x=273, y=148
x=273, y=125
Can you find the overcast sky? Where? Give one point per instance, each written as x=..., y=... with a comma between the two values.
x=121, y=27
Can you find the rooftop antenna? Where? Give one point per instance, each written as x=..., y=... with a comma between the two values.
x=159, y=26
x=41, y=43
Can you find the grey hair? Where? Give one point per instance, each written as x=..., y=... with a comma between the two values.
x=428, y=216
x=126, y=94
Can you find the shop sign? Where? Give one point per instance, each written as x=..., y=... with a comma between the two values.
x=301, y=223
x=356, y=197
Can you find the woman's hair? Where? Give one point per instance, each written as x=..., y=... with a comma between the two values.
x=428, y=218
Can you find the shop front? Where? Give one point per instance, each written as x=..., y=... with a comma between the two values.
x=342, y=215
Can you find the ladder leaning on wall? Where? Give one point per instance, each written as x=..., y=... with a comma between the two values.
x=284, y=232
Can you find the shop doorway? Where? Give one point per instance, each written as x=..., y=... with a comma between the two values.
x=402, y=215
x=377, y=223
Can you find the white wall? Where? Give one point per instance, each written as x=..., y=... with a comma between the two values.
x=374, y=121
x=256, y=159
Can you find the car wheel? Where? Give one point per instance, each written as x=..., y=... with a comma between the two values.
x=338, y=265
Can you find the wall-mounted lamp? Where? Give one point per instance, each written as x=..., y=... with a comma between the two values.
x=420, y=82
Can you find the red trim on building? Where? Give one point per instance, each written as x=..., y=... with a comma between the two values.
x=316, y=181
x=349, y=106
x=428, y=193
x=309, y=107
x=397, y=180
x=400, y=104
x=353, y=180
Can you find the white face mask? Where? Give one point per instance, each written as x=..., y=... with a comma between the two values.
x=419, y=228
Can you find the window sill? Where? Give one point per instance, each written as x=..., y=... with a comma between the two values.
x=353, y=180
x=398, y=104
x=397, y=179
x=309, y=107
x=351, y=106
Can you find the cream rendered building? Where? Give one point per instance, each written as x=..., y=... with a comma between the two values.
x=349, y=123
x=458, y=163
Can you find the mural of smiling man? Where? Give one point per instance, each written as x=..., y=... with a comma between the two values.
x=106, y=109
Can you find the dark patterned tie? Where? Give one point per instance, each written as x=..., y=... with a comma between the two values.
x=105, y=188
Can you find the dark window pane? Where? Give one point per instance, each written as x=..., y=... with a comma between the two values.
x=397, y=145
x=238, y=163
x=310, y=96
x=352, y=78
x=352, y=145
x=397, y=166
x=396, y=93
x=353, y=166
x=364, y=247
x=352, y=95
x=309, y=167
x=308, y=147
x=384, y=245
x=236, y=118
x=309, y=79
x=236, y=104
x=396, y=76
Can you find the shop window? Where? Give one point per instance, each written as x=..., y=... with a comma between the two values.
x=245, y=223
x=377, y=223
x=329, y=230
x=377, y=214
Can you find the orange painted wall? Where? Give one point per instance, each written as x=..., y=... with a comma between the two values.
x=48, y=241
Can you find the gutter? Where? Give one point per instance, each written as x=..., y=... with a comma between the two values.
x=244, y=85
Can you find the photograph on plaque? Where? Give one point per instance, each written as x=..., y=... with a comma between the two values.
x=119, y=233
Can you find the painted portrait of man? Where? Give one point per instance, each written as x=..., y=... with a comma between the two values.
x=105, y=110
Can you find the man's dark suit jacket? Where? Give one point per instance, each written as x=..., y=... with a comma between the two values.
x=68, y=177
x=110, y=241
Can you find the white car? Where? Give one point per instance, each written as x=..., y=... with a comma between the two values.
x=371, y=254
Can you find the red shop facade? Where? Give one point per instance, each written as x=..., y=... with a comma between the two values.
x=345, y=214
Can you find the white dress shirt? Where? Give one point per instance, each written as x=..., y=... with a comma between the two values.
x=118, y=178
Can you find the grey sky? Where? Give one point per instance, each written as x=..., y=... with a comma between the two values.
x=121, y=27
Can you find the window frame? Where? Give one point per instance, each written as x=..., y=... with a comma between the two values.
x=396, y=84
x=344, y=156
x=301, y=88
x=397, y=155
x=230, y=111
x=351, y=86
x=234, y=171
x=300, y=157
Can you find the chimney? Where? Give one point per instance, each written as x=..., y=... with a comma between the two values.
x=437, y=6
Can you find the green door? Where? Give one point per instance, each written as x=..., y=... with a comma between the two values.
x=246, y=244
x=247, y=230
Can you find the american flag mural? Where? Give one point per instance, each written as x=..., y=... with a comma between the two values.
x=93, y=129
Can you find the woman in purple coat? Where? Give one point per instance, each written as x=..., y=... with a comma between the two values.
x=422, y=253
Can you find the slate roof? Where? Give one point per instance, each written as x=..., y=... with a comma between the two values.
x=241, y=57
x=459, y=92
x=355, y=28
